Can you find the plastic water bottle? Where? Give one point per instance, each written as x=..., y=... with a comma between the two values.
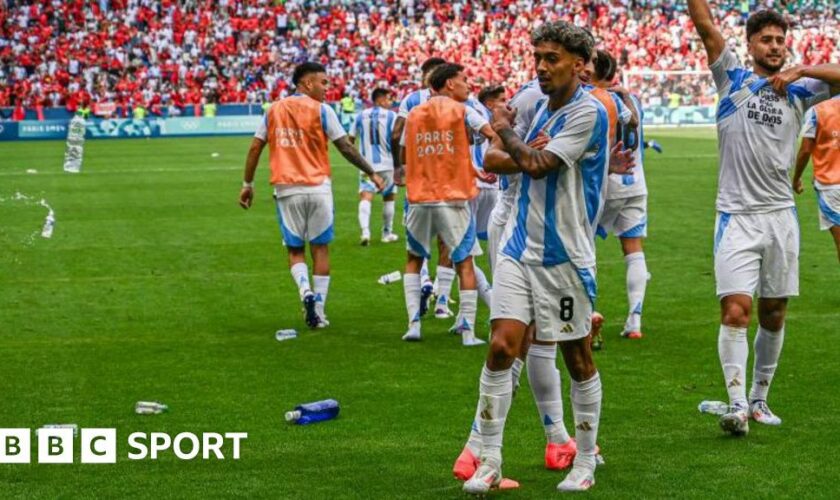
x=61, y=426
x=390, y=278
x=287, y=334
x=49, y=225
x=150, y=408
x=713, y=407
x=75, y=145
x=309, y=413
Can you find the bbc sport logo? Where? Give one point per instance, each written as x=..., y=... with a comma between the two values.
x=99, y=446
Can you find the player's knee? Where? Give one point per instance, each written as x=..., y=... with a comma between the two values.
x=773, y=320
x=735, y=314
x=503, y=349
x=581, y=368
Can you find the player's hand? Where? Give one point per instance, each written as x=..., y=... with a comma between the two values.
x=621, y=162
x=399, y=176
x=797, y=186
x=246, y=197
x=619, y=90
x=503, y=117
x=780, y=81
x=540, y=142
x=379, y=182
x=487, y=177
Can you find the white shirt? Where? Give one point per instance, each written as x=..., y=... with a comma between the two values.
x=553, y=219
x=480, y=144
x=373, y=128
x=757, y=131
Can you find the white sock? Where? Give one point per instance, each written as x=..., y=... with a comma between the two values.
x=322, y=286
x=411, y=285
x=364, y=216
x=733, y=351
x=424, y=272
x=388, y=217
x=484, y=288
x=493, y=405
x=637, y=276
x=474, y=441
x=300, y=273
x=516, y=373
x=768, y=347
x=444, y=278
x=586, y=403
x=545, y=384
x=469, y=299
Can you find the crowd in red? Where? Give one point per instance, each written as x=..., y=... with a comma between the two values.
x=166, y=54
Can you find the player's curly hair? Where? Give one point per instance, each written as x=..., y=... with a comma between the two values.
x=575, y=40
x=764, y=18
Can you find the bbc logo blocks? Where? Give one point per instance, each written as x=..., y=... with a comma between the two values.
x=57, y=446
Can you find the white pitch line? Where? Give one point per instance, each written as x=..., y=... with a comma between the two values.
x=123, y=171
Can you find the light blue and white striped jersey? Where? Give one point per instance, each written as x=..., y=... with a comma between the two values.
x=757, y=136
x=629, y=185
x=480, y=144
x=553, y=219
x=413, y=100
x=372, y=130
x=525, y=101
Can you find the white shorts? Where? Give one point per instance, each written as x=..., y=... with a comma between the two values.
x=557, y=298
x=829, y=203
x=757, y=253
x=305, y=217
x=494, y=239
x=481, y=206
x=624, y=217
x=452, y=224
x=366, y=186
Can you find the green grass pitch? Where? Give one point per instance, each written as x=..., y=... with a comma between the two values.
x=156, y=285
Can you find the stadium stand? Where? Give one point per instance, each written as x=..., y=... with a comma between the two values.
x=171, y=58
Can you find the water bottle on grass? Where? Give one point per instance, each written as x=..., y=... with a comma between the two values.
x=310, y=413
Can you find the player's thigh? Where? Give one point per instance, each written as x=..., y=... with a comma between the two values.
x=418, y=230
x=738, y=247
x=512, y=297
x=320, y=218
x=631, y=220
x=455, y=226
x=562, y=302
x=609, y=215
x=780, y=262
x=291, y=217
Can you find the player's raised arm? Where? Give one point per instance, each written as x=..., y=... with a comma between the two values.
x=701, y=16
x=246, y=195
